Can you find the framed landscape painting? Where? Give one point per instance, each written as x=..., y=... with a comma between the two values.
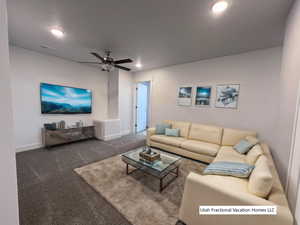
x=203, y=96
x=227, y=96
x=185, y=96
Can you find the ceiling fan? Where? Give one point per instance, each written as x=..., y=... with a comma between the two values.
x=108, y=63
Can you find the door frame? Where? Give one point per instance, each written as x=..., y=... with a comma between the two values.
x=135, y=104
x=292, y=191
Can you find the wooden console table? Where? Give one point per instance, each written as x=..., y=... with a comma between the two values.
x=68, y=135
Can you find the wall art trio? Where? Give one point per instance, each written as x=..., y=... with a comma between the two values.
x=226, y=96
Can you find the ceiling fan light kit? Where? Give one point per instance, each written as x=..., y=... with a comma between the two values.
x=108, y=63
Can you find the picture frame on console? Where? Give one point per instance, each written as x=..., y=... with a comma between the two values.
x=227, y=96
x=184, y=96
x=203, y=96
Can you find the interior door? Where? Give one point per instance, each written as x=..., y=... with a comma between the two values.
x=142, y=106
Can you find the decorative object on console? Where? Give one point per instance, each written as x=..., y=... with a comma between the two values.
x=203, y=96
x=50, y=126
x=61, y=124
x=227, y=96
x=185, y=96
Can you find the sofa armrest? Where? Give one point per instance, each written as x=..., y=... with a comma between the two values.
x=202, y=190
x=150, y=132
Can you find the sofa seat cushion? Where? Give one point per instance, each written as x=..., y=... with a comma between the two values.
x=174, y=141
x=227, y=153
x=201, y=147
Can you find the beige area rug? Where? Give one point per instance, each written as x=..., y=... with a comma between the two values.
x=137, y=195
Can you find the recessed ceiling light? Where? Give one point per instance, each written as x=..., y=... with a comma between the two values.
x=220, y=7
x=138, y=65
x=57, y=32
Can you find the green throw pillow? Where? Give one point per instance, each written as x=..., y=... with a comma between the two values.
x=172, y=132
x=161, y=128
x=243, y=146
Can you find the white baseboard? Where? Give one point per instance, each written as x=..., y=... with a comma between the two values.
x=110, y=137
x=126, y=132
x=24, y=148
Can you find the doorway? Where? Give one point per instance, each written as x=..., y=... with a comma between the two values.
x=142, y=106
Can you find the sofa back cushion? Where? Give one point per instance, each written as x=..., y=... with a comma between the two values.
x=184, y=128
x=233, y=136
x=211, y=134
x=261, y=179
x=253, y=155
x=252, y=140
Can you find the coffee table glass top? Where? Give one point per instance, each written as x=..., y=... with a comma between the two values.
x=165, y=161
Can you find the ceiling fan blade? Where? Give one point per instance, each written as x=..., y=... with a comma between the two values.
x=122, y=68
x=98, y=56
x=91, y=62
x=123, y=61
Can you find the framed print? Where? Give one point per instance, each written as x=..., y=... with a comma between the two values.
x=227, y=96
x=185, y=96
x=203, y=96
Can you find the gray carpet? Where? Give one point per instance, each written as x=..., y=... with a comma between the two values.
x=50, y=193
x=136, y=195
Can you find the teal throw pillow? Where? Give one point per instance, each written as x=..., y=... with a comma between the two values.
x=172, y=132
x=234, y=169
x=243, y=146
x=161, y=128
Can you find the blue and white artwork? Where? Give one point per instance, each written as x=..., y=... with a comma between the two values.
x=56, y=99
x=227, y=96
x=184, y=96
x=203, y=96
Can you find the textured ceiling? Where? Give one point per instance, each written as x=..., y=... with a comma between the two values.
x=156, y=32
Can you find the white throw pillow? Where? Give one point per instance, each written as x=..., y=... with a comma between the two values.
x=261, y=179
x=254, y=154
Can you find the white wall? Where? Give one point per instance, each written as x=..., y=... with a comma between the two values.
x=8, y=191
x=126, y=101
x=289, y=87
x=29, y=70
x=258, y=74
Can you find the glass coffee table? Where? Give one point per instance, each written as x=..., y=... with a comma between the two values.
x=168, y=164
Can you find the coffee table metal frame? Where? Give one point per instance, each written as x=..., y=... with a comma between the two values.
x=172, y=169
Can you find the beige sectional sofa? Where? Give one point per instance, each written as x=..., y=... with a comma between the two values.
x=196, y=141
x=213, y=144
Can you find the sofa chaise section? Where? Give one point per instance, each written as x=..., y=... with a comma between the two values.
x=201, y=190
